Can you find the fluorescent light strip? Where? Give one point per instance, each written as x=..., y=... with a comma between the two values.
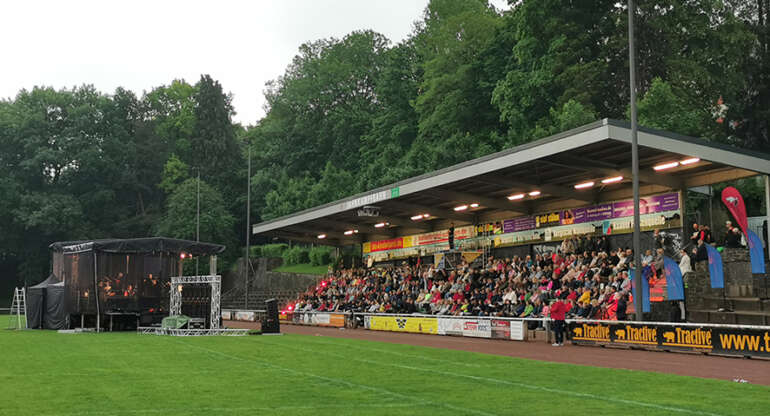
x=461, y=208
x=665, y=166
x=515, y=197
x=474, y=205
x=689, y=161
x=584, y=185
x=416, y=217
x=379, y=225
x=322, y=236
x=349, y=232
x=614, y=179
x=534, y=193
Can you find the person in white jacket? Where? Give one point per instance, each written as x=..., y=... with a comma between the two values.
x=684, y=263
x=684, y=266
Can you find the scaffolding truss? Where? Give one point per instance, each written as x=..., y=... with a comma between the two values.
x=192, y=332
x=215, y=281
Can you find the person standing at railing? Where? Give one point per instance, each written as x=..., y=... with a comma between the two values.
x=558, y=311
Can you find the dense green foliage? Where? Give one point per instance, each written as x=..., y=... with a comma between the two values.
x=314, y=375
x=358, y=112
x=296, y=255
x=321, y=255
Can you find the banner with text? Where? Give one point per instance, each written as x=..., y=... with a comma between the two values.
x=595, y=213
x=717, y=340
x=478, y=328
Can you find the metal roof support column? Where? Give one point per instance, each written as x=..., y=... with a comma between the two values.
x=635, y=162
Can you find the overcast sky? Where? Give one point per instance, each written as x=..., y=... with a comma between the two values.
x=143, y=44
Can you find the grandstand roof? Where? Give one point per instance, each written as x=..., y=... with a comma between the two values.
x=552, y=166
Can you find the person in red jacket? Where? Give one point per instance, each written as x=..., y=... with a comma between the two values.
x=559, y=310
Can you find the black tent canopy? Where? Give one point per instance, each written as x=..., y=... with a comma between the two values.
x=117, y=276
x=46, y=305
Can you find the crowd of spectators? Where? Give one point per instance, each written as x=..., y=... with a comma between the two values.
x=584, y=272
x=592, y=279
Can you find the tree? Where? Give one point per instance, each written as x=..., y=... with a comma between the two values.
x=179, y=221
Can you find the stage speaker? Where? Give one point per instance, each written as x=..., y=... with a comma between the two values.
x=270, y=324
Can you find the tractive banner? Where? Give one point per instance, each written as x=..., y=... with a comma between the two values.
x=718, y=340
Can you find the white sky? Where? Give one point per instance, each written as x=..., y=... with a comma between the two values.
x=143, y=44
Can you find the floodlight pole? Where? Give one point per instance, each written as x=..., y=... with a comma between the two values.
x=635, y=165
x=248, y=236
x=198, y=219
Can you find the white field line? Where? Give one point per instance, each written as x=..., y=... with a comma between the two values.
x=516, y=384
x=341, y=381
x=232, y=409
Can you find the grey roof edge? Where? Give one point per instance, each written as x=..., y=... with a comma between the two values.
x=689, y=139
x=521, y=147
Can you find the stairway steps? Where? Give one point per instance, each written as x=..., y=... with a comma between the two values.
x=734, y=318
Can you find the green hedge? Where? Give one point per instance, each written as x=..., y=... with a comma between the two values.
x=296, y=255
x=269, y=250
x=321, y=256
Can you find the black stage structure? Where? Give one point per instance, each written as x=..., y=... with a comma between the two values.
x=124, y=279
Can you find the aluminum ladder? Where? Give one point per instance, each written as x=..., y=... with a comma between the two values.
x=18, y=310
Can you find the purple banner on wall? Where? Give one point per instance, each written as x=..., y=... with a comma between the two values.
x=518, y=224
x=601, y=212
x=647, y=205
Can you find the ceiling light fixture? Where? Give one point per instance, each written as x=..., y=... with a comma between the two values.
x=665, y=166
x=534, y=193
x=416, y=217
x=689, y=161
x=379, y=225
x=348, y=232
x=613, y=179
x=515, y=197
x=475, y=205
x=461, y=208
x=584, y=185
x=321, y=236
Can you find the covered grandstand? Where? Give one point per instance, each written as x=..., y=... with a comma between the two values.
x=517, y=200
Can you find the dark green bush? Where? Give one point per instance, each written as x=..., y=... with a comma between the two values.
x=321, y=255
x=269, y=250
x=296, y=255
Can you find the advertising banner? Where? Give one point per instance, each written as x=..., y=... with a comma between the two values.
x=448, y=326
x=245, y=316
x=336, y=320
x=315, y=318
x=501, y=329
x=226, y=315
x=382, y=245
x=402, y=324
x=717, y=340
x=594, y=213
x=479, y=328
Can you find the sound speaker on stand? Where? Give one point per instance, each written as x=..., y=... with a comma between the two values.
x=270, y=324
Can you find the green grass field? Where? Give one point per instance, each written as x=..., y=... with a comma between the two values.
x=46, y=373
x=303, y=269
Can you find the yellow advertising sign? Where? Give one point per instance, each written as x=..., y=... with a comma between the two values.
x=367, y=248
x=404, y=324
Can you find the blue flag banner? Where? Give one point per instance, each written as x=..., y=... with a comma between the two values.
x=645, y=289
x=757, y=252
x=673, y=279
x=716, y=271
